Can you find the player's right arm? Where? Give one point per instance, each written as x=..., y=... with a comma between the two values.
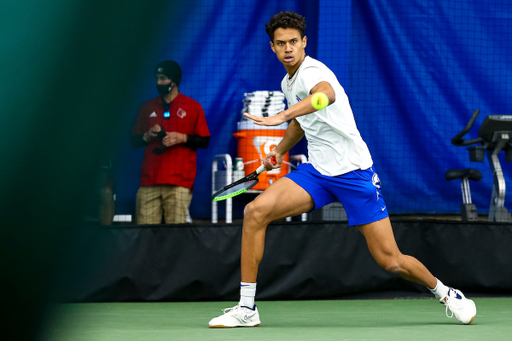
x=293, y=135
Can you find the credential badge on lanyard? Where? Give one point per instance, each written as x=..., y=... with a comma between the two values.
x=167, y=114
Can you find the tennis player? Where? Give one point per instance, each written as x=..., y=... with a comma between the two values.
x=340, y=167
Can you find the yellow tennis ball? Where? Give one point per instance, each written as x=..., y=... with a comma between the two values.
x=319, y=100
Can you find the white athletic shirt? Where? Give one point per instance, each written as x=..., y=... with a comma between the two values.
x=335, y=145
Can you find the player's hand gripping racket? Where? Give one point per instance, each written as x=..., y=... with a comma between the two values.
x=242, y=185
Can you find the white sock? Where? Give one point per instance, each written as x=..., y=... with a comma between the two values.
x=247, y=293
x=440, y=290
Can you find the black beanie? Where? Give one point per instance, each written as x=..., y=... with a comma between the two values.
x=171, y=69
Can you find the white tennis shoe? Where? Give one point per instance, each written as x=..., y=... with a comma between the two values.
x=236, y=317
x=464, y=309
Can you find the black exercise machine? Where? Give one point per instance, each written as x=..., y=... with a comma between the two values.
x=467, y=208
x=494, y=135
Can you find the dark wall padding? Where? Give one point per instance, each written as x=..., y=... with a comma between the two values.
x=301, y=261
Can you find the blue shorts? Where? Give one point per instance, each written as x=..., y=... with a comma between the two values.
x=358, y=191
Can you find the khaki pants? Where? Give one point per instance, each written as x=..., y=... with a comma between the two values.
x=170, y=201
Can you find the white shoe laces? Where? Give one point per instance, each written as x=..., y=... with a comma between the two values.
x=229, y=310
x=451, y=301
x=449, y=316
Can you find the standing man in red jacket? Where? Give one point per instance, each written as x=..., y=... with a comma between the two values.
x=171, y=127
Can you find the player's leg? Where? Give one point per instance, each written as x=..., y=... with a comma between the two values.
x=148, y=205
x=283, y=199
x=360, y=193
x=382, y=245
x=175, y=202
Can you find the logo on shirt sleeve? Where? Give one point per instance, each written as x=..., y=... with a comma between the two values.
x=181, y=113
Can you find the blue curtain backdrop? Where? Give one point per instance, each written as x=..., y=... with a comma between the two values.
x=414, y=73
x=417, y=73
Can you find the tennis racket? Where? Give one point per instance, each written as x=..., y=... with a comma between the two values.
x=240, y=186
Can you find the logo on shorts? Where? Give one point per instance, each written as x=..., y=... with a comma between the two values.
x=376, y=180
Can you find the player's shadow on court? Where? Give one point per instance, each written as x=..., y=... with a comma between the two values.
x=358, y=321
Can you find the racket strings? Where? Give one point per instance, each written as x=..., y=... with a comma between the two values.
x=234, y=190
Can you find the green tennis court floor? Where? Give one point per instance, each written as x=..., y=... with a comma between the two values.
x=411, y=319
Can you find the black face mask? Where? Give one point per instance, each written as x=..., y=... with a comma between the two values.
x=164, y=89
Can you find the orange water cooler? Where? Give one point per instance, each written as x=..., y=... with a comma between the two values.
x=254, y=142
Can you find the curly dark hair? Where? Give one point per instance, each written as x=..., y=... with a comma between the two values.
x=286, y=19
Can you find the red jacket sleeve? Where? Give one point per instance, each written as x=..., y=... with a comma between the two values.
x=141, y=123
x=201, y=127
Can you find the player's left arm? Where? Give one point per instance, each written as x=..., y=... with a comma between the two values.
x=304, y=107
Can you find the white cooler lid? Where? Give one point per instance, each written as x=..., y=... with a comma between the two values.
x=250, y=125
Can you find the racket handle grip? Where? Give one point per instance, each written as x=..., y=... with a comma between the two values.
x=260, y=169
